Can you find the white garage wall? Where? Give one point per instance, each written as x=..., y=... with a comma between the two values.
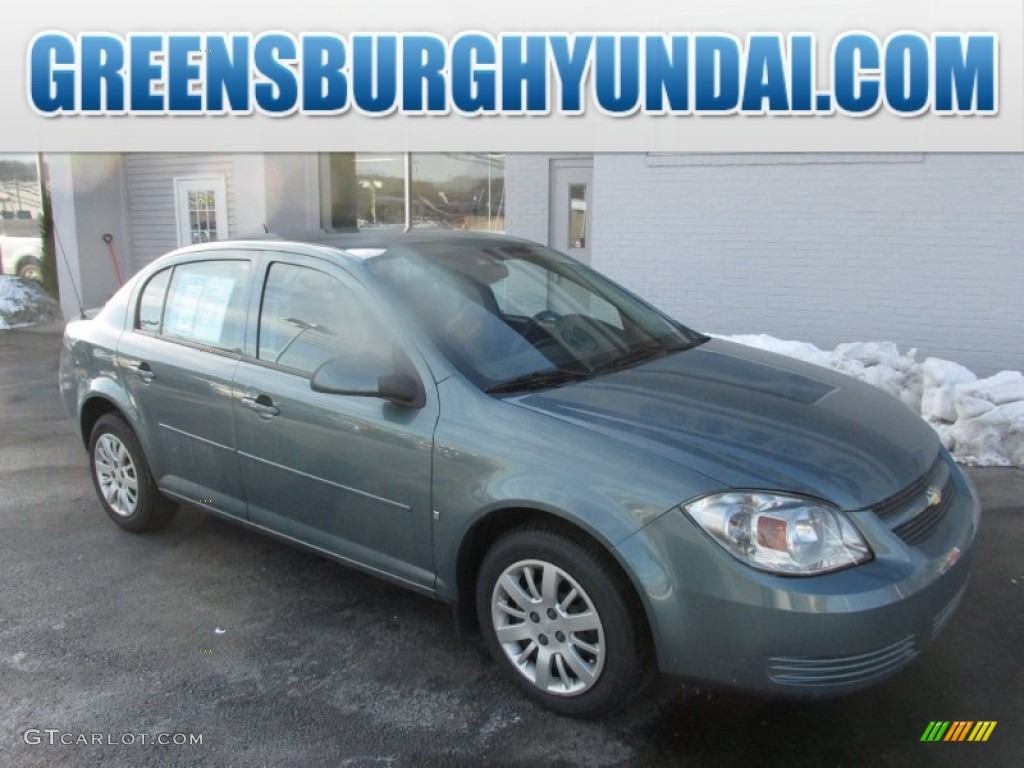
x=922, y=250
x=88, y=199
x=151, y=198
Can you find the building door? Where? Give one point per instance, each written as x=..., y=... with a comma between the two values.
x=572, y=184
x=200, y=206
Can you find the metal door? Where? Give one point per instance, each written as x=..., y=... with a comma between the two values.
x=572, y=184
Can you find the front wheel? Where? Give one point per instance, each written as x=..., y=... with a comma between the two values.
x=122, y=478
x=559, y=619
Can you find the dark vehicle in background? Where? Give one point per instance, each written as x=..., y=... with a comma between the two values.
x=602, y=490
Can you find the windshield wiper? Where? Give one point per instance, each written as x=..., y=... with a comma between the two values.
x=638, y=355
x=643, y=354
x=537, y=380
x=560, y=376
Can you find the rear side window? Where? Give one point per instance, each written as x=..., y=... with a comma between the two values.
x=151, y=304
x=206, y=303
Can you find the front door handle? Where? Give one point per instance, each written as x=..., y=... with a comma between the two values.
x=144, y=372
x=262, y=405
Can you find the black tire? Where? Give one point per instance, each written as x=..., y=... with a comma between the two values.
x=618, y=673
x=30, y=268
x=116, y=460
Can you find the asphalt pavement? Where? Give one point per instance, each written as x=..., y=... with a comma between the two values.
x=267, y=655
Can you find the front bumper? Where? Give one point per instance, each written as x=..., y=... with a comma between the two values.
x=717, y=621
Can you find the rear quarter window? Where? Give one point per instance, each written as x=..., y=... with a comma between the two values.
x=151, y=303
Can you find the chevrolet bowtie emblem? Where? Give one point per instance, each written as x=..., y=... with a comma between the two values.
x=934, y=496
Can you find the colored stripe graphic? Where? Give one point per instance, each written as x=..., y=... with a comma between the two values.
x=958, y=730
x=982, y=730
x=935, y=730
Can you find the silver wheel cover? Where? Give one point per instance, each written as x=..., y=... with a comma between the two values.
x=548, y=627
x=115, y=475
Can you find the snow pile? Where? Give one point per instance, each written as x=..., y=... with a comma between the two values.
x=24, y=302
x=989, y=424
x=981, y=421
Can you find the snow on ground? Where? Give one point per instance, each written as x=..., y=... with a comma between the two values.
x=981, y=421
x=24, y=302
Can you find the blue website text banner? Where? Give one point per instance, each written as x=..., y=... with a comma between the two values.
x=908, y=75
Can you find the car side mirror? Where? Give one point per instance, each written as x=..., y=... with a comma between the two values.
x=401, y=389
x=368, y=377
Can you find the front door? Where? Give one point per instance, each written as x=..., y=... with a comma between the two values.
x=349, y=475
x=572, y=184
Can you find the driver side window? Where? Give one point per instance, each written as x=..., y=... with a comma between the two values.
x=524, y=291
x=308, y=317
x=529, y=289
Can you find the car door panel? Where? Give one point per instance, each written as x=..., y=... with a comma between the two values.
x=350, y=475
x=182, y=390
x=187, y=407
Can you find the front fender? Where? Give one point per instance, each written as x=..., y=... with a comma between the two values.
x=490, y=455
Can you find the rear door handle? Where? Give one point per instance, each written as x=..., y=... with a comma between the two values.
x=262, y=405
x=144, y=372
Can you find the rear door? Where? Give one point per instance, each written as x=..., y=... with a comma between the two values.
x=177, y=363
x=349, y=475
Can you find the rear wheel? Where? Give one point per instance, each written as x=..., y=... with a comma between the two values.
x=559, y=619
x=122, y=478
x=30, y=268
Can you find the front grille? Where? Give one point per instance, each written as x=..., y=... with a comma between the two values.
x=841, y=670
x=918, y=528
x=892, y=505
x=910, y=514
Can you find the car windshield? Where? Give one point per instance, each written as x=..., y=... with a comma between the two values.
x=514, y=317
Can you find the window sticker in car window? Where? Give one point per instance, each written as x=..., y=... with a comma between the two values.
x=199, y=307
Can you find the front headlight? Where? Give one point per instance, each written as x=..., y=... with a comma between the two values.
x=779, y=533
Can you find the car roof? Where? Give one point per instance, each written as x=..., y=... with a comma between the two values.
x=357, y=246
x=398, y=236
x=389, y=238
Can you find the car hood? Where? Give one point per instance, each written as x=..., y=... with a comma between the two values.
x=753, y=419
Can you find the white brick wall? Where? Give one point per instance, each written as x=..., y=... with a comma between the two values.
x=527, y=196
x=922, y=250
